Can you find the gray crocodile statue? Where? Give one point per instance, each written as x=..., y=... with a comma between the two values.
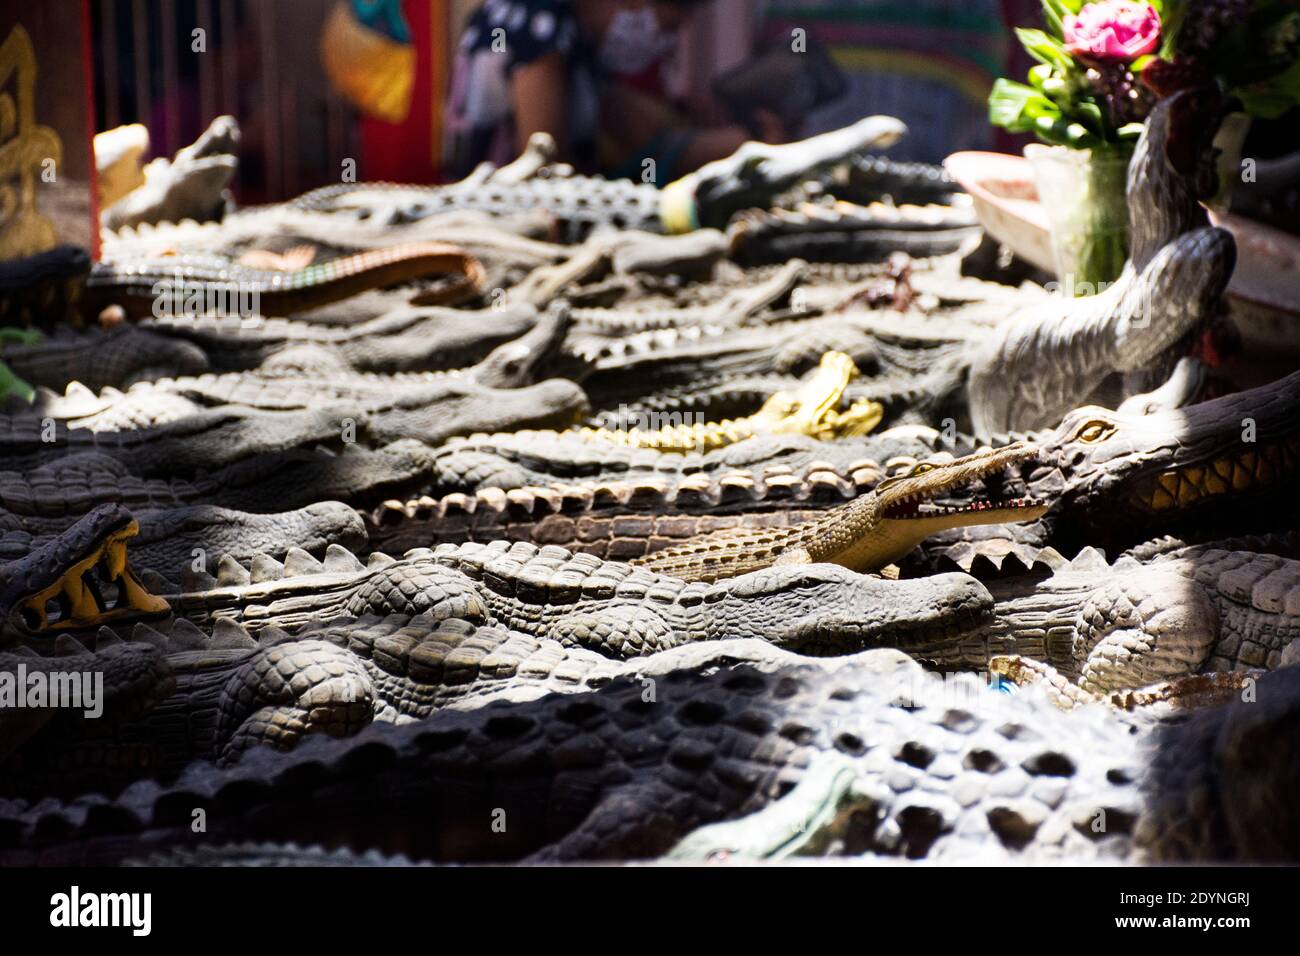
x=190, y=186
x=1053, y=357
x=412, y=339
x=178, y=536
x=263, y=483
x=78, y=579
x=1205, y=609
x=630, y=770
x=102, y=359
x=510, y=461
x=580, y=600
x=173, y=698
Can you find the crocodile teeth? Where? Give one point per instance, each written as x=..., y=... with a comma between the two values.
x=186, y=636
x=378, y=559
x=231, y=636
x=1089, y=559
x=272, y=635
x=339, y=558
x=1052, y=558
x=76, y=390
x=106, y=637
x=66, y=646
x=298, y=562
x=265, y=568
x=155, y=582
x=144, y=634
x=230, y=573
x=192, y=580
x=22, y=650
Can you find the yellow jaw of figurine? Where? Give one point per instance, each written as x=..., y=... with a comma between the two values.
x=82, y=594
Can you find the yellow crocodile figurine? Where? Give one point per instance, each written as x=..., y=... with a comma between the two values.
x=811, y=410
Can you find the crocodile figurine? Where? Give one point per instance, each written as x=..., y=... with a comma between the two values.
x=79, y=579
x=191, y=285
x=1053, y=357
x=615, y=520
x=1211, y=469
x=708, y=197
x=629, y=771
x=194, y=438
x=264, y=483
x=215, y=697
x=189, y=186
x=580, y=600
x=528, y=459
x=867, y=534
x=304, y=376
x=115, y=358
x=1113, y=627
x=178, y=536
x=840, y=231
x=410, y=339
x=812, y=410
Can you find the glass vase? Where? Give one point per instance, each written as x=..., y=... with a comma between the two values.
x=1083, y=193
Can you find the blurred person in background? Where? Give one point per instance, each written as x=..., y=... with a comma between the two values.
x=589, y=72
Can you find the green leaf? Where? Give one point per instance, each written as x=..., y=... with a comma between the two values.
x=1039, y=74
x=1044, y=49
x=1053, y=13
x=1092, y=112
x=1142, y=62
x=1130, y=130
x=1270, y=98
x=1015, y=107
x=1171, y=20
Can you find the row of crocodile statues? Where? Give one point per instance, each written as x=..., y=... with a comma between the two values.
x=510, y=529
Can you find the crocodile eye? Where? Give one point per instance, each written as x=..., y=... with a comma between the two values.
x=1094, y=431
x=922, y=468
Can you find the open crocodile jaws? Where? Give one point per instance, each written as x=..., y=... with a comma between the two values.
x=866, y=534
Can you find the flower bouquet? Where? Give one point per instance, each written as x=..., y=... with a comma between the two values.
x=1100, y=68
x=1084, y=100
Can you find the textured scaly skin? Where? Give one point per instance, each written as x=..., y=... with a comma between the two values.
x=579, y=600
x=518, y=460
x=214, y=697
x=952, y=774
x=866, y=534
x=131, y=284
x=75, y=483
x=844, y=232
x=1111, y=627
x=407, y=339
x=97, y=360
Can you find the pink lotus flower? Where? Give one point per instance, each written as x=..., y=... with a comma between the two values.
x=1113, y=30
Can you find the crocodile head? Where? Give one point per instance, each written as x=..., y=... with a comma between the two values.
x=1134, y=473
x=813, y=409
x=80, y=579
x=931, y=496
x=519, y=361
x=828, y=609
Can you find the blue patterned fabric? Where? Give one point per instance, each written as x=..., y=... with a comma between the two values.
x=500, y=36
